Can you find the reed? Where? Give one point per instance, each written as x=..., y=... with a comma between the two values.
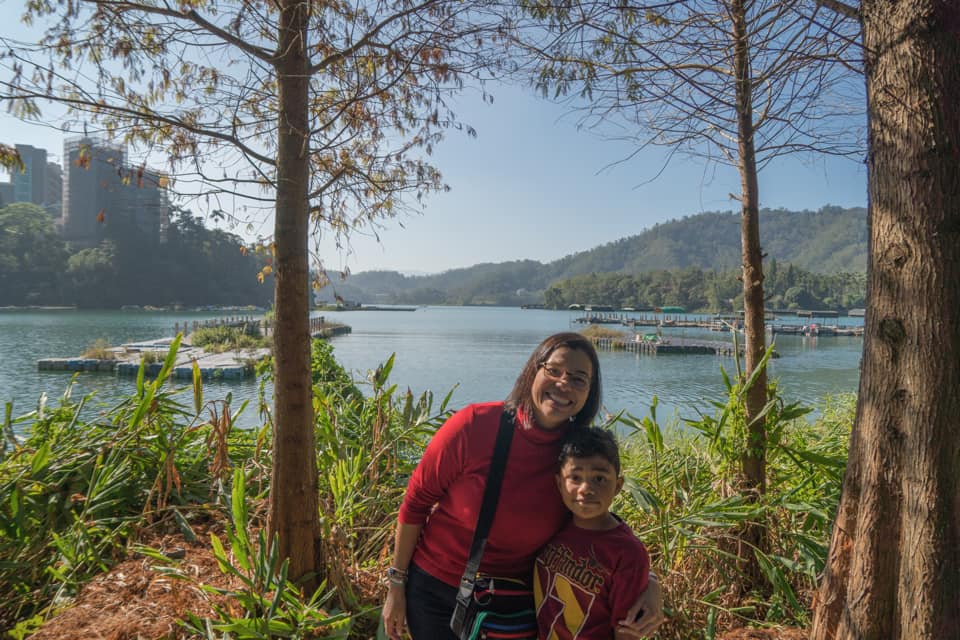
x=223, y=338
x=76, y=493
x=681, y=501
x=99, y=350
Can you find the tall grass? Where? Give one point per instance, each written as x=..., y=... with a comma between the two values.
x=223, y=338
x=76, y=494
x=680, y=501
x=367, y=445
x=99, y=350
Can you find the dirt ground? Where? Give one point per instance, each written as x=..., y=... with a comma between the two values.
x=766, y=634
x=134, y=601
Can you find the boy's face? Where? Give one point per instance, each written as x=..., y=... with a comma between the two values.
x=588, y=486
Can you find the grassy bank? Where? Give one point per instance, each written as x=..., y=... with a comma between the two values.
x=77, y=497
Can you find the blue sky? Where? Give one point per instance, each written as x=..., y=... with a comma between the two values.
x=532, y=186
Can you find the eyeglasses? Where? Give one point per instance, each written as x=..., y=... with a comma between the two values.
x=578, y=381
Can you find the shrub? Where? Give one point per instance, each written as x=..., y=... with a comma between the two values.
x=595, y=331
x=679, y=500
x=226, y=338
x=99, y=350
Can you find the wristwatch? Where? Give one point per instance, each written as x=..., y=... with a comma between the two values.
x=396, y=576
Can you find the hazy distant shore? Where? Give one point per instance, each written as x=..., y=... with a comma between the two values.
x=39, y=308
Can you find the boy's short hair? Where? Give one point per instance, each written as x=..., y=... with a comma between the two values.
x=583, y=442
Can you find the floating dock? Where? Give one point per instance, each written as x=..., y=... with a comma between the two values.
x=717, y=323
x=669, y=346
x=230, y=365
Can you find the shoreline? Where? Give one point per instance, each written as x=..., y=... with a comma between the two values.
x=40, y=307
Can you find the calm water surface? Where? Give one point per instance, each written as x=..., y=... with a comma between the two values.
x=477, y=349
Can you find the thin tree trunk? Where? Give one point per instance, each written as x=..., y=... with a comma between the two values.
x=753, y=459
x=293, y=519
x=893, y=572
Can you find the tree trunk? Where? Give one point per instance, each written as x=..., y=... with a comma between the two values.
x=753, y=459
x=893, y=572
x=293, y=519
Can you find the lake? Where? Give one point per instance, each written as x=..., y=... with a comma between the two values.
x=478, y=349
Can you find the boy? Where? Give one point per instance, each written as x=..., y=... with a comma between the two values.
x=590, y=573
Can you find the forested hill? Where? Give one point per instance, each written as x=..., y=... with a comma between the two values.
x=831, y=240
x=826, y=241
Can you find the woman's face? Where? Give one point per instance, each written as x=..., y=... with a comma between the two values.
x=561, y=387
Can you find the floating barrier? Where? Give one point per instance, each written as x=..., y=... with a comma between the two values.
x=668, y=346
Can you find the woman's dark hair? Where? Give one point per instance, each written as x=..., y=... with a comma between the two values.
x=521, y=397
x=588, y=442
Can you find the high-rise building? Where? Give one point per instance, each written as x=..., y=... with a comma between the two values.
x=6, y=193
x=30, y=184
x=104, y=197
x=53, y=191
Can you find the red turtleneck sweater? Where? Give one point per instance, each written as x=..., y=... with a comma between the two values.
x=446, y=489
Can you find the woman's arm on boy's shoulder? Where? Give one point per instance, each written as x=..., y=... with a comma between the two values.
x=646, y=615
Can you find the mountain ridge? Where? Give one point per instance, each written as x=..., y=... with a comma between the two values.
x=830, y=240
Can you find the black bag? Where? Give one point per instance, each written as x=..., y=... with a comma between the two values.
x=487, y=606
x=497, y=608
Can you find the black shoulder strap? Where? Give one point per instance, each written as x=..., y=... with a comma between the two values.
x=491, y=494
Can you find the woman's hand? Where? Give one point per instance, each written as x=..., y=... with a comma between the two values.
x=395, y=611
x=649, y=608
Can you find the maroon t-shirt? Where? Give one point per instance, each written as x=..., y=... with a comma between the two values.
x=586, y=581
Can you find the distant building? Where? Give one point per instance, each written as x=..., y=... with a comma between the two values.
x=39, y=182
x=30, y=184
x=102, y=193
x=53, y=191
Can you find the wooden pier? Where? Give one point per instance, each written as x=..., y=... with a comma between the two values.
x=720, y=323
x=814, y=330
x=668, y=346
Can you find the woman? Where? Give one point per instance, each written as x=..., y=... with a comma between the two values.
x=558, y=389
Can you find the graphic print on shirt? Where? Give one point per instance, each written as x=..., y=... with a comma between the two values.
x=571, y=586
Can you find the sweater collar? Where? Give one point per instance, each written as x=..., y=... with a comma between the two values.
x=527, y=427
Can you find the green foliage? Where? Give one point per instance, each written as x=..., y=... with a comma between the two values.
x=91, y=277
x=227, y=338
x=37, y=267
x=691, y=262
x=32, y=256
x=273, y=607
x=367, y=447
x=201, y=266
x=331, y=377
x=681, y=503
x=10, y=158
x=710, y=291
x=99, y=350
x=74, y=492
